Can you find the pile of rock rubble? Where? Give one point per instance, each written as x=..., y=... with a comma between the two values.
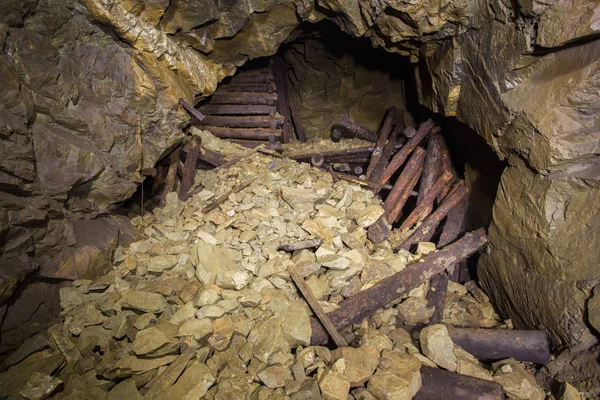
x=202, y=306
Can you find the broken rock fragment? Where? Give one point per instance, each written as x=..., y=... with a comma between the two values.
x=438, y=346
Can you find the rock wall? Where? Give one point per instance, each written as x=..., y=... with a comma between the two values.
x=90, y=89
x=528, y=83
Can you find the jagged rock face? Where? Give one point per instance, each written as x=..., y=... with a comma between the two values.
x=90, y=89
x=538, y=109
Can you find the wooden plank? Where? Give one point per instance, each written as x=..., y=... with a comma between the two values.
x=237, y=109
x=248, y=87
x=242, y=121
x=258, y=78
x=243, y=98
x=282, y=97
x=295, y=114
x=432, y=166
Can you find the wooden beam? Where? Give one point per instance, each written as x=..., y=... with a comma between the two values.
x=189, y=168
x=317, y=309
x=243, y=98
x=354, y=309
x=385, y=131
x=237, y=109
x=404, y=185
x=405, y=151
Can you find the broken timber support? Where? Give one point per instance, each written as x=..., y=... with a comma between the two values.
x=425, y=205
x=306, y=244
x=436, y=297
x=386, y=129
x=243, y=98
x=357, y=129
x=242, y=121
x=270, y=145
x=393, y=143
x=248, y=87
x=189, y=169
x=497, y=344
x=405, y=151
x=282, y=97
x=317, y=309
x=438, y=383
x=426, y=230
x=238, y=109
x=404, y=185
x=190, y=109
x=432, y=166
x=354, y=309
x=297, y=120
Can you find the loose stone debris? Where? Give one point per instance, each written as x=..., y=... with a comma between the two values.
x=202, y=306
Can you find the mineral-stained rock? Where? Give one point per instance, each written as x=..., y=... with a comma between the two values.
x=267, y=338
x=192, y=384
x=124, y=390
x=150, y=340
x=222, y=331
x=438, y=347
x=568, y=392
x=235, y=388
x=296, y=326
x=308, y=391
x=360, y=363
x=206, y=296
x=30, y=346
x=302, y=199
x=184, y=313
x=198, y=328
x=275, y=376
x=370, y=215
x=130, y=365
x=398, y=377
x=334, y=385
x=44, y=362
x=209, y=260
x=210, y=311
x=376, y=339
x=334, y=262
x=143, y=301
x=414, y=311
x=518, y=383
x=473, y=369
x=39, y=386
x=594, y=309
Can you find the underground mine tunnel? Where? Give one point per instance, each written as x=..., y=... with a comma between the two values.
x=299, y=200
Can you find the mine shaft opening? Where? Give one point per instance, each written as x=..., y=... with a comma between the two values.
x=324, y=98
